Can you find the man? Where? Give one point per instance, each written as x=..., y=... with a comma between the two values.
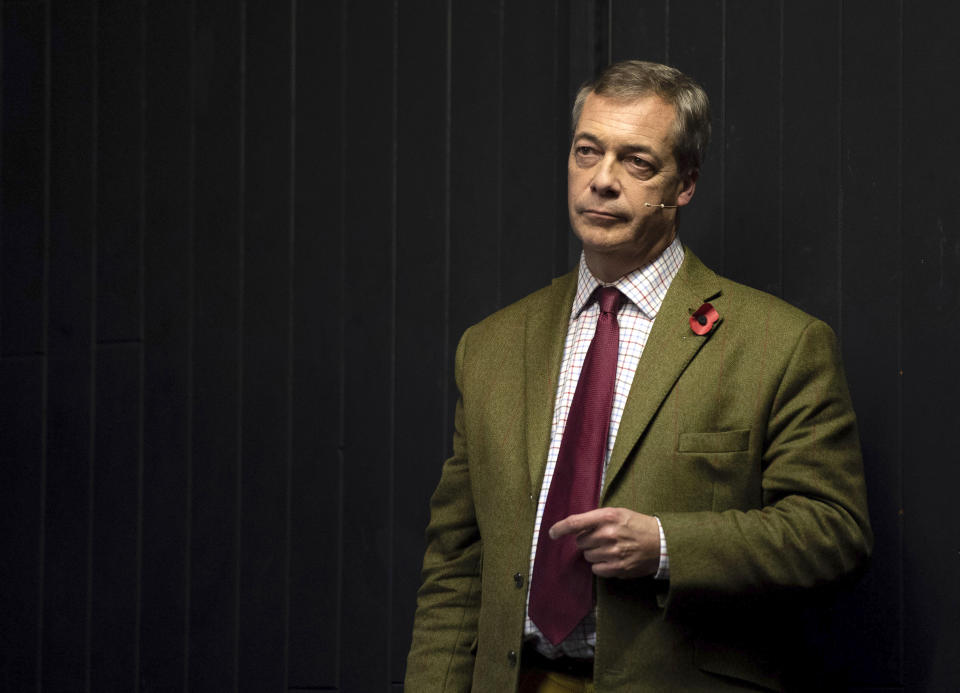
x=651, y=463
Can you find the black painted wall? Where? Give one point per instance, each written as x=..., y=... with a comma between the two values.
x=240, y=238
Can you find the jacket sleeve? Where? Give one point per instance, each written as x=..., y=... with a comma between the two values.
x=448, y=603
x=813, y=527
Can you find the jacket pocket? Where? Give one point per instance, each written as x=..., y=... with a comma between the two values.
x=714, y=441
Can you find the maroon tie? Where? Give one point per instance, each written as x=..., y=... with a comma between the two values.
x=562, y=586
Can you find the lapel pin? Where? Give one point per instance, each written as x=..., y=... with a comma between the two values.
x=703, y=319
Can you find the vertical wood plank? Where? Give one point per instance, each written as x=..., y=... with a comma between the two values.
x=931, y=299
x=582, y=35
x=421, y=319
x=67, y=514
x=751, y=141
x=531, y=228
x=584, y=31
x=567, y=251
x=697, y=44
x=602, y=33
x=167, y=306
x=870, y=265
x=66, y=617
x=113, y=610
x=72, y=171
x=116, y=461
x=119, y=67
x=315, y=502
x=21, y=523
x=810, y=166
x=22, y=122
x=475, y=167
x=369, y=296
x=266, y=342
x=216, y=346
x=638, y=31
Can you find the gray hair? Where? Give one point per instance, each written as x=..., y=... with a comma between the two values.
x=633, y=79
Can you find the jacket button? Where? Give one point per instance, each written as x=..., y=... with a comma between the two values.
x=518, y=580
x=512, y=658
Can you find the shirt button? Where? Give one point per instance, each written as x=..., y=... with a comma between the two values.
x=518, y=580
x=512, y=658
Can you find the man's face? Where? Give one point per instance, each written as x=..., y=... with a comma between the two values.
x=622, y=157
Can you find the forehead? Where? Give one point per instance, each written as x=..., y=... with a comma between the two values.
x=647, y=120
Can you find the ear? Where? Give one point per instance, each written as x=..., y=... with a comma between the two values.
x=689, y=183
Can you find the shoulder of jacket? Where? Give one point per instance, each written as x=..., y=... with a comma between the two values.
x=753, y=305
x=742, y=307
x=514, y=315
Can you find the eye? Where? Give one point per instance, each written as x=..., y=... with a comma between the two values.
x=586, y=155
x=640, y=167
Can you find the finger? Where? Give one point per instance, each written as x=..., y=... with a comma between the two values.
x=604, y=551
x=594, y=538
x=575, y=524
x=600, y=555
x=607, y=569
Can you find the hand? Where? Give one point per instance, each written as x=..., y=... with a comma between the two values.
x=616, y=541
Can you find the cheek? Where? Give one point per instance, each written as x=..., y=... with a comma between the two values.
x=642, y=193
x=574, y=186
x=636, y=196
x=577, y=176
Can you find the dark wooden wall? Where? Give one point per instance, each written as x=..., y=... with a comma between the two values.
x=239, y=240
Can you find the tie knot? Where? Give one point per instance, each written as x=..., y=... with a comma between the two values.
x=610, y=299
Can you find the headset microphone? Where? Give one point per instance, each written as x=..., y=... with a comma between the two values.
x=661, y=205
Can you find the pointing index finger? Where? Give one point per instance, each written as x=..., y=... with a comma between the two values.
x=575, y=524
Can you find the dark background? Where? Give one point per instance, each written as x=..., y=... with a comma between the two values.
x=239, y=241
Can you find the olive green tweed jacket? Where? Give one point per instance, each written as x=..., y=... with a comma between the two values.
x=742, y=441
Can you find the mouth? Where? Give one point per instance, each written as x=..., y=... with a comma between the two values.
x=601, y=216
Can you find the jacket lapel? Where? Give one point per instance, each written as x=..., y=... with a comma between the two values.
x=671, y=346
x=544, y=337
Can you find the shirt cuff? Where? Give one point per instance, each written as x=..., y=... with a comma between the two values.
x=663, y=570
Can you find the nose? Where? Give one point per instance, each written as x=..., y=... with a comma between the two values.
x=605, y=182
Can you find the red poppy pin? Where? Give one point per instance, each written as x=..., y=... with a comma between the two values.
x=703, y=319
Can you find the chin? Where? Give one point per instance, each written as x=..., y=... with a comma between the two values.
x=603, y=239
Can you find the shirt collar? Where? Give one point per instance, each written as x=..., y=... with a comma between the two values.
x=645, y=286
